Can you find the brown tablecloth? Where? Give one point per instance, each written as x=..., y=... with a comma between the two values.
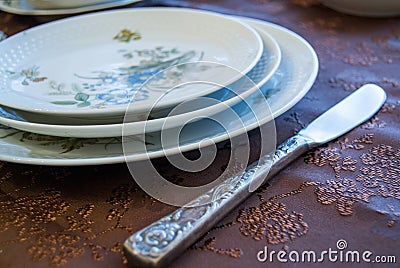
x=348, y=189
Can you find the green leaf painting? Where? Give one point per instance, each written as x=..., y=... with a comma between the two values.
x=67, y=102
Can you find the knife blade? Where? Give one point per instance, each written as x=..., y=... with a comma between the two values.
x=344, y=116
x=160, y=242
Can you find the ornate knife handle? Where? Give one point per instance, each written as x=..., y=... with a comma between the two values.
x=162, y=241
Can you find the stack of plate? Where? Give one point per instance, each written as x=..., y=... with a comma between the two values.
x=70, y=89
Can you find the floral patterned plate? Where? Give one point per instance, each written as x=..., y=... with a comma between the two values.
x=95, y=64
x=259, y=75
x=294, y=77
x=23, y=7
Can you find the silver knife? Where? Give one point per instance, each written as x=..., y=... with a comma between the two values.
x=160, y=242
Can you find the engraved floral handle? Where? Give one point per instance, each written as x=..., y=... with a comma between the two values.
x=159, y=243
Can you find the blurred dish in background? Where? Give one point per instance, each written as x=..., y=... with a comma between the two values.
x=366, y=8
x=23, y=7
x=57, y=4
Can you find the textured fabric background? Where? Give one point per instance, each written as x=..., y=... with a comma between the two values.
x=348, y=189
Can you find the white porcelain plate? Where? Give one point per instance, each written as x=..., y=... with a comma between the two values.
x=294, y=77
x=260, y=74
x=94, y=65
x=23, y=7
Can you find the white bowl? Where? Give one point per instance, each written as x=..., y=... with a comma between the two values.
x=60, y=4
x=366, y=8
